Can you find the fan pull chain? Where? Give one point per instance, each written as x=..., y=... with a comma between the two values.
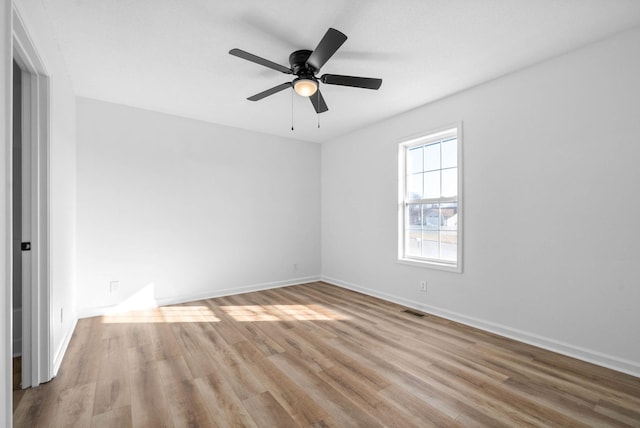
x=318, y=114
x=292, y=109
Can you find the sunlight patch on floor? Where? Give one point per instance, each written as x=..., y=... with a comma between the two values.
x=252, y=313
x=166, y=314
x=142, y=308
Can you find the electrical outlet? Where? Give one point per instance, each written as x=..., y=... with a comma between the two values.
x=114, y=286
x=423, y=285
x=295, y=266
x=61, y=315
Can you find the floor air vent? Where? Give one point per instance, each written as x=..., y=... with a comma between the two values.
x=414, y=313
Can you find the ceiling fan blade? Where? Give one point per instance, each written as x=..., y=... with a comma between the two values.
x=356, y=82
x=271, y=91
x=318, y=102
x=329, y=44
x=258, y=60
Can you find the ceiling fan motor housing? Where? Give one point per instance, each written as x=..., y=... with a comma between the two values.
x=298, y=61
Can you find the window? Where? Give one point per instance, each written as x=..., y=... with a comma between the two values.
x=430, y=214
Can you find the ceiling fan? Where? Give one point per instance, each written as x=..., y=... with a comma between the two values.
x=304, y=65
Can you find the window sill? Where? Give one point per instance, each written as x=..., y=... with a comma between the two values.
x=430, y=265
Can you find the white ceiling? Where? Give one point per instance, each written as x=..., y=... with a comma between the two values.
x=172, y=55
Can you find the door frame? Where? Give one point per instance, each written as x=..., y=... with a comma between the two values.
x=37, y=361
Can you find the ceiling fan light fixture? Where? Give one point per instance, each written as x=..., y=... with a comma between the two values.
x=305, y=87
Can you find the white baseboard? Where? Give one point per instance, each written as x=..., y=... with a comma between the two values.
x=595, y=357
x=183, y=298
x=57, y=360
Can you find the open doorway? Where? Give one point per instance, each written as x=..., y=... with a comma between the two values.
x=17, y=230
x=31, y=335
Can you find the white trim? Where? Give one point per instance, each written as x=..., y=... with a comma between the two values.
x=104, y=310
x=450, y=267
x=584, y=354
x=62, y=349
x=6, y=232
x=37, y=359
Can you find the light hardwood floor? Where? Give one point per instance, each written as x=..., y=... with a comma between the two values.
x=316, y=355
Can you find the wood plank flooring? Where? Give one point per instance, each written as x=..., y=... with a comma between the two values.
x=315, y=355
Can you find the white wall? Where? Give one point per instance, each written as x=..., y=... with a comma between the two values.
x=62, y=176
x=6, y=65
x=552, y=237
x=189, y=209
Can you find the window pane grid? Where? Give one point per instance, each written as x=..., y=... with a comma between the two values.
x=431, y=200
x=432, y=232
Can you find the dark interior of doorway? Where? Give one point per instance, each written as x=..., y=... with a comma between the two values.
x=17, y=231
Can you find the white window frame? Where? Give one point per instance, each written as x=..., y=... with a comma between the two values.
x=403, y=146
